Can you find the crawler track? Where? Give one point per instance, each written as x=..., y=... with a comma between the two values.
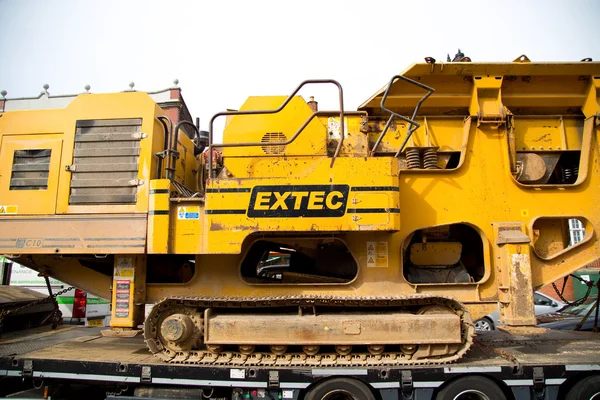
x=198, y=354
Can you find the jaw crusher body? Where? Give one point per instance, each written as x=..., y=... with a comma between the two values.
x=313, y=237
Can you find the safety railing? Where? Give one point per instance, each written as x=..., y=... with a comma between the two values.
x=413, y=125
x=170, y=146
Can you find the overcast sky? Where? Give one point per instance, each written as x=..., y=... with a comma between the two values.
x=224, y=51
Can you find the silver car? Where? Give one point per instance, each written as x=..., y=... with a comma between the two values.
x=542, y=304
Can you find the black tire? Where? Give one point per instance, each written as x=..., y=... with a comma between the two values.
x=337, y=388
x=585, y=389
x=474, y=385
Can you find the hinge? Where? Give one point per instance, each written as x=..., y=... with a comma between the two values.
x=146, y=373
x=71, y=168
x=273, y=378
x=139, y=135
x=27, y=368
x=136, y=182
x=406, y=383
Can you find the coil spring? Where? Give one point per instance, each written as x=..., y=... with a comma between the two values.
x=413, y=158
x=570, y=174
x=430, y=158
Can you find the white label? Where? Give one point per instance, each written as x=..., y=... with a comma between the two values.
x=333, y=124
x=189, y=212
x=288, y=394
x=237, y=373
x=377, y=254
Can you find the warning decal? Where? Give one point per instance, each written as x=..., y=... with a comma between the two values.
x=124, y=269
x=189, y=212
x=8, y=209
x=377, y=254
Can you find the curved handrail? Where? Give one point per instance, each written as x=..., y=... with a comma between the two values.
x=414, y=125
x=166, y=144
x=275, y=111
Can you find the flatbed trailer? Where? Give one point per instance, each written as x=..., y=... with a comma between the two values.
x=522, y=367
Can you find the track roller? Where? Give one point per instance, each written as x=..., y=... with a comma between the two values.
x=311, y=350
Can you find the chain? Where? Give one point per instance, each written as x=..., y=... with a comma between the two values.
x=589, y=285
x=56, y=314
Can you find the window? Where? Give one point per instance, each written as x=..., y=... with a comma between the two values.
x=576, y=231
x=30, y=169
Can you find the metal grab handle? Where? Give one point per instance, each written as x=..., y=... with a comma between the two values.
x=275, y=111
x=414, y=125
x=163, y=119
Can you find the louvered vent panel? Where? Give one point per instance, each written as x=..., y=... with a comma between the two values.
x=106, y=161
x=30, y=170
x=273, y=137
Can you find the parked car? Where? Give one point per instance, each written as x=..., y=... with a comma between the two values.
x=543, y=305
x=77, y=306
x=569, y=317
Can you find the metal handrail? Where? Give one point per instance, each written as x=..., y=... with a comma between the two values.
x=275, y=111
x=414, y=125
x=167, y=142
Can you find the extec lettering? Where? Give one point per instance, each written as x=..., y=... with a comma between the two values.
x=298, y=201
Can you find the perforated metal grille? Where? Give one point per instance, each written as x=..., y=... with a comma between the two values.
x=273, y=137
x=106, y=161
x=30, y=169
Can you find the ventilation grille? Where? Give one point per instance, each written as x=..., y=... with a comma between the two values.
x=30, y=170
x=105, y=162
x=273, y=137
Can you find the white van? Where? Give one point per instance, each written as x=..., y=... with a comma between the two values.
x=76, y=305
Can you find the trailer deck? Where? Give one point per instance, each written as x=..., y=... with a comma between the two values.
x=78, y=353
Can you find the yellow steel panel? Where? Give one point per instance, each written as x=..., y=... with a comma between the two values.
x=30, y=201
x=158, y=216
x=276, y=127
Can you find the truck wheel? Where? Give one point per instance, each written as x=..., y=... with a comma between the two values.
x=471, y=388
x=340, y=389
x=586, y=389
x=484, y=324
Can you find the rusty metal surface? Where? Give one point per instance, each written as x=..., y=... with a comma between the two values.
x=11, y=346
x=522, y=330
x=117, y=332
x=493, y=348
x=74, y=234
x=440, y=352
x=332, y=329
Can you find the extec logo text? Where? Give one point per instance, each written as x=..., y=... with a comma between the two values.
x=298, y=201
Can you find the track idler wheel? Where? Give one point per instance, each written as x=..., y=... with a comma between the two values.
x=408, y=349
x=376, y=349
x=278, y=349
x=177, y=328
x=214, y=348
x=311, y=350
x=246, y=349
x=343, y=350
